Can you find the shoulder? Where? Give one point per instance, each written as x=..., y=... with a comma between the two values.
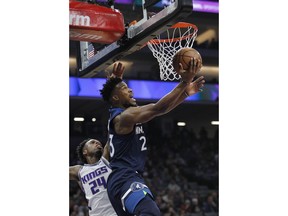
x=125, y=122
x=129, y=112
x=115, y=111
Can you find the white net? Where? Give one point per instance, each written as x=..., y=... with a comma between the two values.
x=165, y=45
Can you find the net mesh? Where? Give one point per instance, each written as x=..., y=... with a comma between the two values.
x=165, y=45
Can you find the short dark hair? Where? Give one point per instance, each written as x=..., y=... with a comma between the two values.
x=108, y=87
x=79, y=150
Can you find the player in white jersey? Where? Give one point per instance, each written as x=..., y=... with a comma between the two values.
x=92, y=176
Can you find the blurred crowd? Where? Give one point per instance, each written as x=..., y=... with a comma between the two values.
x=181, y=171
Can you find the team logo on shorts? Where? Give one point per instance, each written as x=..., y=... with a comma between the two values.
x=136, y=186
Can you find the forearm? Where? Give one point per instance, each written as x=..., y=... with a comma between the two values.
x=167, y=103
x=147, y=112
x=179, y=100
x=171, y=100
x=106, y=153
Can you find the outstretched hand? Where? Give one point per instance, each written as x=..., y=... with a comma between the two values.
x=189, y=74
x=195, y=86
x=118, y=71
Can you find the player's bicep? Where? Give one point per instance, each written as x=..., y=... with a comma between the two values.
x=139, y=114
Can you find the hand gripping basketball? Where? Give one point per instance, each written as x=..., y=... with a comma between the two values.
x=118, y=70
x=188, y=74
x=184, y=56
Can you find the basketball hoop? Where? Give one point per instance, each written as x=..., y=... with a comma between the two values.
x=178, y=36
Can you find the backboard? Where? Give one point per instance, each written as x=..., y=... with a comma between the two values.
x=157, y=17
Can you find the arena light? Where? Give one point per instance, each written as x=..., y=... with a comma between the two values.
x=93, y=119
x=214, y=122
x=181, y=124
x=79, y=119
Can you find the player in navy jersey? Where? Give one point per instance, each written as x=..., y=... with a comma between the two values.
x=92, y=176
x=127, y=142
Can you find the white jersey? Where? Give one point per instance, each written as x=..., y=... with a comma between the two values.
x=93, y=178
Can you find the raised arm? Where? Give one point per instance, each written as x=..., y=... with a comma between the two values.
x=118, y=71
x=106, y=153
x=193, y=87
x=125, y=122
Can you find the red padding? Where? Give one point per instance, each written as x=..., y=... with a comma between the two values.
x=94, y=23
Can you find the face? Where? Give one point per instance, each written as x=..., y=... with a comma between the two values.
x=124, y=95
x=93, y=148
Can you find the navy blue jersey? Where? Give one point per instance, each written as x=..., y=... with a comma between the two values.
x=125, y=185
x=129, y=150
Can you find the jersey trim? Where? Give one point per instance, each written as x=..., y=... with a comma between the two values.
x=105, y=161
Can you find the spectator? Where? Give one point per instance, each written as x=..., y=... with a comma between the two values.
x=186, y=207
x=195, y=206
x=209, y=205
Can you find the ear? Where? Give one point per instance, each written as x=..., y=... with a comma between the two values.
x=115, y=97
x=84, y=152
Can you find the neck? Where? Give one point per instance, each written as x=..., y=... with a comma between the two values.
x=92, y=160
x=118, y=106
x=123, y=106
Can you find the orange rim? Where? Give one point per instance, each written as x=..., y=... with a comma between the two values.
x=184, y=25
x=177, y=25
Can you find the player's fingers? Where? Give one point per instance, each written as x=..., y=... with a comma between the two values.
x=123, y=68
x=199, y=64
x=114, y=67
x=192, y=64
x=200, y=86
x=119, y=66
x=180, y=67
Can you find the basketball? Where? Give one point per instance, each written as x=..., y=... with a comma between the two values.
x=184, y=56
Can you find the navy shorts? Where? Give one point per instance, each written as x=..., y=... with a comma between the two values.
x=126, y=188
